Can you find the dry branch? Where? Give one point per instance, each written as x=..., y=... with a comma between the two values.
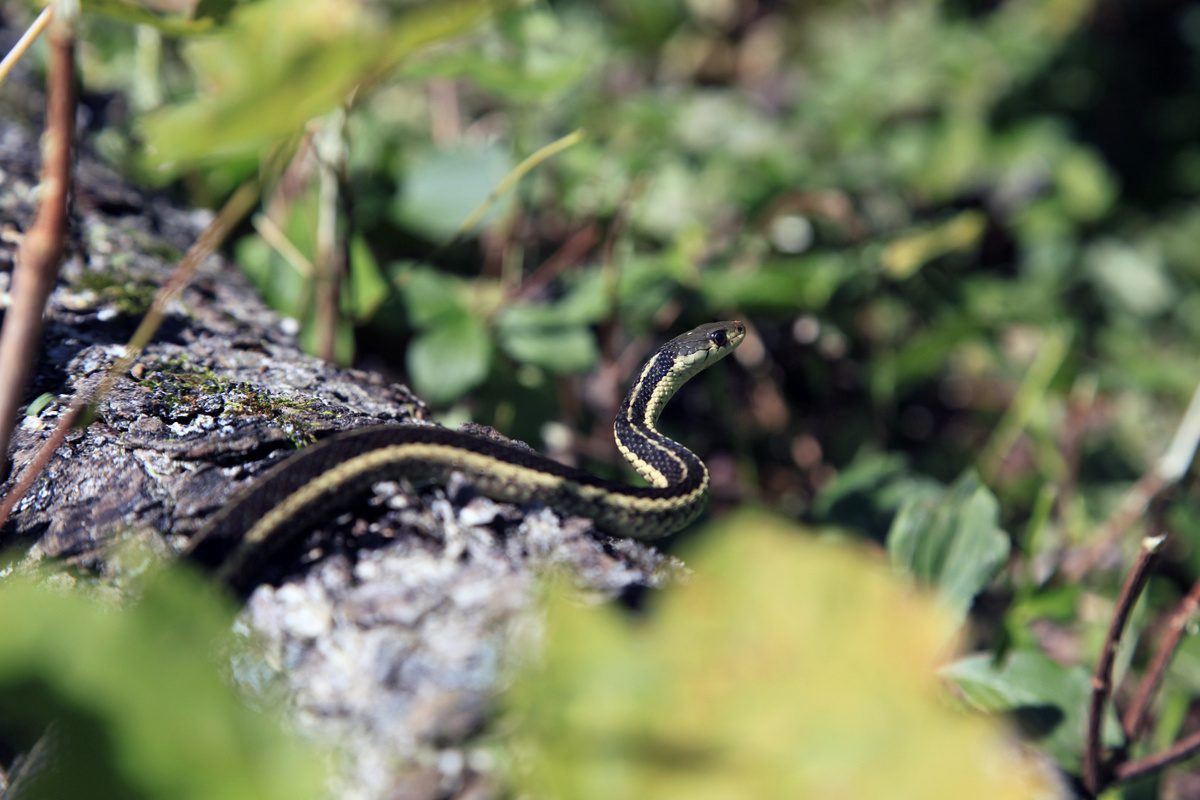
x=41, y=250
x=1094, y=777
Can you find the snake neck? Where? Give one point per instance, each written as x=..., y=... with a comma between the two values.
x=661, y=461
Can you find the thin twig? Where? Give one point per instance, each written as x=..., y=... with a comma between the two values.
x=514, y=176
x=41, y=249
x=1093, y=778
x=445, y=119
x=25, y=42
x=209, y=240
x=1016, y=418
x=1081, y=402
x=1185, y=747
x=329, y=261
x=271, y=233
x=290, y=179
x=1169, y=469
x=571, y=251
x=1135, y=715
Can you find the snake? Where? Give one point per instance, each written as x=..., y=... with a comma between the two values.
x=327, y=476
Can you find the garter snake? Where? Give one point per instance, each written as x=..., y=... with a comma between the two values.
x=325, y=476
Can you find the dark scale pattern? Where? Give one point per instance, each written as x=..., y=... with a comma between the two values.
x=656, y=370
x=661, y=453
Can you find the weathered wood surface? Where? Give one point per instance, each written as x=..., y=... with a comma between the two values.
x=388, y=631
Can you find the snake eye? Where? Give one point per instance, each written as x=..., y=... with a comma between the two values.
x=718, y=338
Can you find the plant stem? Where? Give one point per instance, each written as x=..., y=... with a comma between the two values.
x=1093, y=778
x=41, y=249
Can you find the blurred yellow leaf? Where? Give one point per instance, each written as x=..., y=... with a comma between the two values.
x=908, y=254
x=787, y=667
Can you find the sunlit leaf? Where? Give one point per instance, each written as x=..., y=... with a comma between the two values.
x=671, y=201
x=904, y=256
x=39, y=404
x=584, y=302
x=785, y=667
x=276, y=64
x=550, y=57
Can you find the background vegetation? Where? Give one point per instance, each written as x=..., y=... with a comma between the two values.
x=963, y=233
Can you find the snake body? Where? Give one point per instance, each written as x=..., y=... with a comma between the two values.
x=327, y=476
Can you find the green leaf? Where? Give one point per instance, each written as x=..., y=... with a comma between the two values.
x=446, y=361
x=761, y=677
x=430, y=296
x=366, y=287
x=645, y=284
x=39, y=404
x=1050, y=699
x=137, y=697
x=561, y=349
x=440, y=188
x=277, y=64
x=952, y=542
x=670, y=202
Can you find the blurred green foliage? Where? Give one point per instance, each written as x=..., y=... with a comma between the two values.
x=128, y=699
x=1050, y=699
x=963, y=231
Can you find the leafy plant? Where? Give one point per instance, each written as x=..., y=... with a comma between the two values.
x=952, y=542
x=130, y=700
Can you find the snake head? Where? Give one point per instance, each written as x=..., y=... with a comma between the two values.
x=712, y=341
